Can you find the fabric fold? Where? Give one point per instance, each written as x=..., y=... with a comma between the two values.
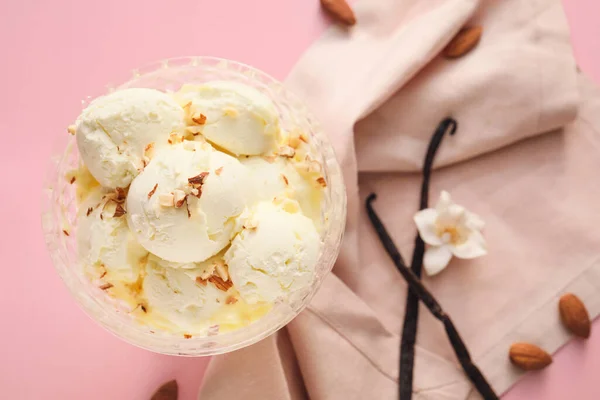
x=266, y=370
x=519, y=82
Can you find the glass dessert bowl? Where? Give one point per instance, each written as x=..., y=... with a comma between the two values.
x=251, y=312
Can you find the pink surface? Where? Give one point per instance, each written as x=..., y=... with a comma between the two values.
x=50, y=349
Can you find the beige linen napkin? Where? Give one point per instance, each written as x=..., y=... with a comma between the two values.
x=380, y=89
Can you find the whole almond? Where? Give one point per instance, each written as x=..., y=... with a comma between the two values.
x=168, y=391
x=340, y=10
x=529, y=357
x=464, y=41
x=574, y=315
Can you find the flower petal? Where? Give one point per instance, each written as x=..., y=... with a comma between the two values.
x=454, y=215
x=436, y=259
x=475, y=246
x=444, y=202
x=474, y=221
x=425, y=221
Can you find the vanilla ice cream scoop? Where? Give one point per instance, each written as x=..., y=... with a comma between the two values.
x=114, y=130
x=178, y=298
x=105, y=241
x=275, y=255
x=235, y=117
x=183, y=206
x=279, y=177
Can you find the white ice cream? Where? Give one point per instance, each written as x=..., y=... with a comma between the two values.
x=178, y=298
x=279, y=177
x=107, y=242
x=239, y=118
x=170, y=232
x=113, y=131
x=275, y=255
x=223, y=210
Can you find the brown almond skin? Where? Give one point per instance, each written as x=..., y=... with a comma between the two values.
x=168, y=391
x=574, y=315
x=464, y=41
x=339, y=10
x=529, y=357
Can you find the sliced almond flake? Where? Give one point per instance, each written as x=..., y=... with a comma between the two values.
x=166, y=199
x=250, y=224
x=151, y=193
x=121, y=195
x=106, y=286
x=287, y=151
x=220, y=283
x=149, y=150
x=201, y=281
x=119, y=211
x=72, y=129
x=179, y=197
x=198, y=179
x=199, y=118
x=221, y=270
x=193, y=130
x=175, y=138
x=231, y=300
x=310, y=167
x=218, y=171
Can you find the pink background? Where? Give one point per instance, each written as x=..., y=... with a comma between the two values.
x=57, y=52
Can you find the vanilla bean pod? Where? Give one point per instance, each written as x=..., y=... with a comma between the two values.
x=419, y=290
x=411, y=316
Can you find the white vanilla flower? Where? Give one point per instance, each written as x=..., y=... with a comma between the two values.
x=449, y=229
